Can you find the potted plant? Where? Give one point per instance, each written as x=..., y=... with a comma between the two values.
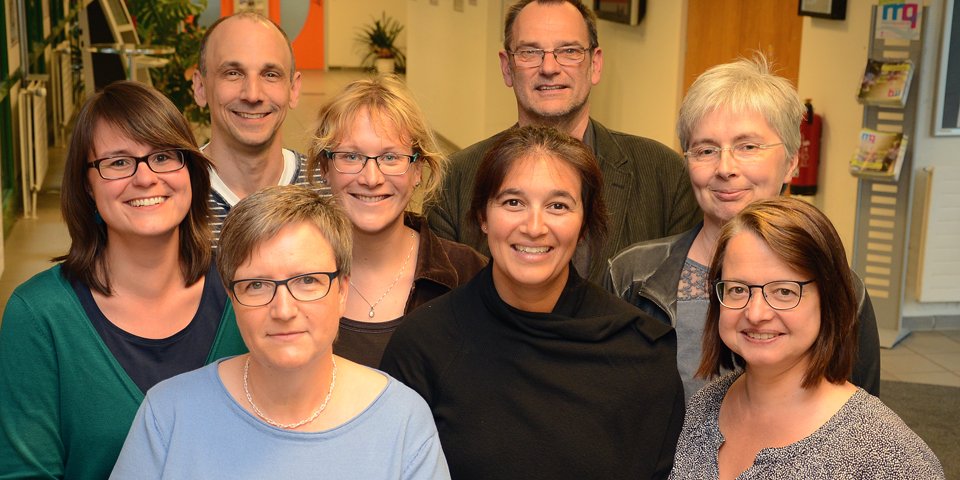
x=174, y=23
x=379, y=40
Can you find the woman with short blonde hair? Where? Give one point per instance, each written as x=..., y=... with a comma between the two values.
x=374, y=149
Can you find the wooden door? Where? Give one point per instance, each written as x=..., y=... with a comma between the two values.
x=720, y=31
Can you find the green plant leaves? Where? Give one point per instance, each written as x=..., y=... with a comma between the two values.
x=379, y=40
x=174, y=23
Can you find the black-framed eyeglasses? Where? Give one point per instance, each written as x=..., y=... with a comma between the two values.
x=779, y=294
x=743, y=152
x=533, y=57
x=388, y=163
x=162, y=161
x=307, y=287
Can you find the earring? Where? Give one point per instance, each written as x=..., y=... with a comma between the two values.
x=416, y=185
x=483, y=227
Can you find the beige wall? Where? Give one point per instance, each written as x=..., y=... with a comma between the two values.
x=640, y=88
x=347, y=18
x=832, y=57
x=928, y=151
x=456, y=59
x=831, y=63
x=454, y=72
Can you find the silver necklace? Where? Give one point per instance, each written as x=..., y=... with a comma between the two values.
x=395, y=280
x=289, y=426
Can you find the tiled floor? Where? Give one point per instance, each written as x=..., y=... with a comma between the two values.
x=923, y=357
x=34, y=241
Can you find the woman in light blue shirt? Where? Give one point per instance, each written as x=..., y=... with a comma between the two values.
x=290, y=408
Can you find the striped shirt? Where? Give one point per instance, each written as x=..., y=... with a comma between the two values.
x=222, y=199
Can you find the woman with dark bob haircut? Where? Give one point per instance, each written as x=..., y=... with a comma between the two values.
x=136, y=299
x=530, y=370
x=783, y=312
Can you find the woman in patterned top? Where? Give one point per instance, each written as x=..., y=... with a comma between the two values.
x=782, y=313
x=739, y=126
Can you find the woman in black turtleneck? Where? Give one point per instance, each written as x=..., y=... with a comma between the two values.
x=530, y=370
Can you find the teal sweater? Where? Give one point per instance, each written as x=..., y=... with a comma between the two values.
x=66, y=404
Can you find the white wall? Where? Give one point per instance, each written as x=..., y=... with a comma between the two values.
x=455, y=74
x=343, y=19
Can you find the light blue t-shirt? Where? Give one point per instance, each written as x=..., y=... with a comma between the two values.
x=190, y=427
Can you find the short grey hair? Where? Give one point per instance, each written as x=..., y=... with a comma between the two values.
x=746, y=85
x=259, y=217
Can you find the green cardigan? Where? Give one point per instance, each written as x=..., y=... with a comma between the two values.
x=66, y=404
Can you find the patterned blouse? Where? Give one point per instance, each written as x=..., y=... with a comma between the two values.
x=864, y=439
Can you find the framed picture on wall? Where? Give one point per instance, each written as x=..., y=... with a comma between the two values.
x=947, y=121
x=832, y=9
x=630, y=12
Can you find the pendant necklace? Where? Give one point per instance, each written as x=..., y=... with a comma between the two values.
x=395, y=280
x=289, y=426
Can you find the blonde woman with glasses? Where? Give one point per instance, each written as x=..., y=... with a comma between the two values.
x=374, y=149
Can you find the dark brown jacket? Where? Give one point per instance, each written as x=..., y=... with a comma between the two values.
x=442, y=265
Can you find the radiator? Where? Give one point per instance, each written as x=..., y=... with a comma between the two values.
x=61, y=85
x=34, y=157
x=938, y=278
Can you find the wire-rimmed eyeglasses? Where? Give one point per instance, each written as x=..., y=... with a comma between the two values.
x=533, y=57
x=307, y=287
x=123, y=166
x=744, y=152
x=779, y=294
x=388, y=163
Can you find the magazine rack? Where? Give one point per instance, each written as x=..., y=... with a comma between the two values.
x=882, y=219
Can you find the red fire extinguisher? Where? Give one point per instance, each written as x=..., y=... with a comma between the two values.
x=805, y=180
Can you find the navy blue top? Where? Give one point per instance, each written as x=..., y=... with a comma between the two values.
x=147, y=360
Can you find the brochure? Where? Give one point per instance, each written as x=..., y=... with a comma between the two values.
x=880, y=154
x=886, y=83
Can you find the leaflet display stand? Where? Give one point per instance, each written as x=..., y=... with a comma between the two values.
x=882, y=220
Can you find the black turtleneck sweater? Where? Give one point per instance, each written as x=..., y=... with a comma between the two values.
x=590, y=390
